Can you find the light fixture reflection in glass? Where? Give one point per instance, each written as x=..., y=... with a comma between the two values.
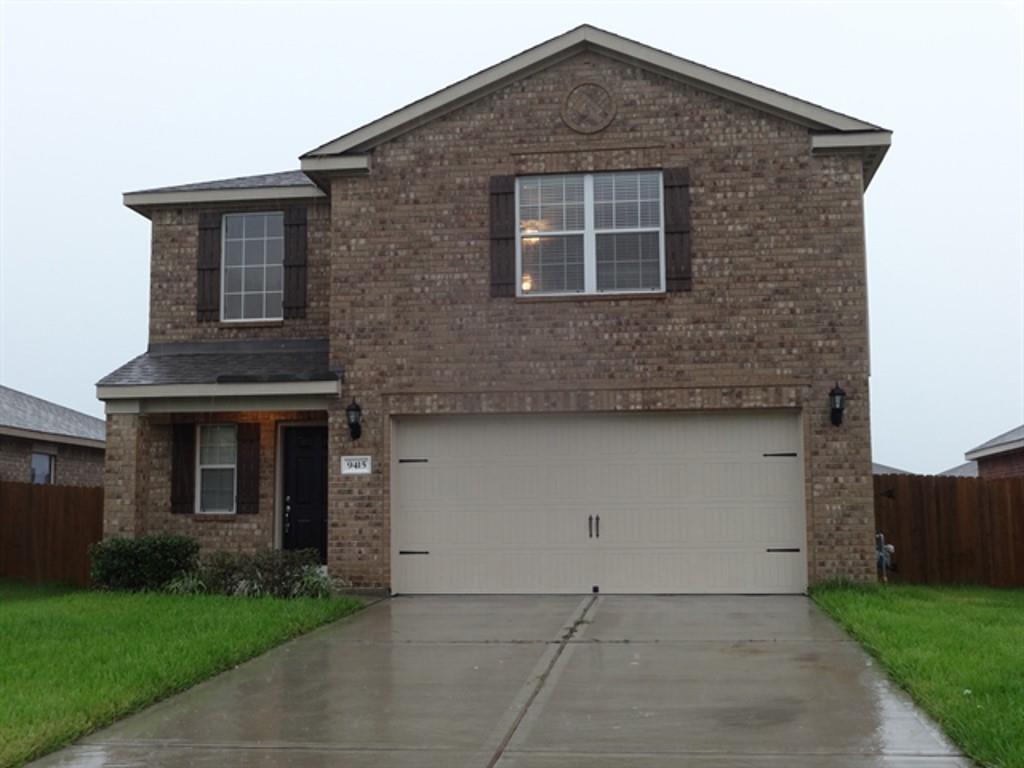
x=527, y=282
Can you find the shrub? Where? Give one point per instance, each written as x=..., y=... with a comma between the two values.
x=145, y=563
x=186, y=584
x=269, y=573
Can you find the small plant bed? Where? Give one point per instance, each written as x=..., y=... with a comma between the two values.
x=73, y=661
x=958, y=651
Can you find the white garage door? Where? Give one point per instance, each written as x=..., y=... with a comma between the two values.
x=627, y=503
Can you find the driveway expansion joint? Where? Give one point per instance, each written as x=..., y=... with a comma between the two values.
x=567, y=634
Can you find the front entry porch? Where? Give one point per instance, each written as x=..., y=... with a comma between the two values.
x=239, y=481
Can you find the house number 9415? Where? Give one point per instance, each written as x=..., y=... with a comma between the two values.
x=356, y=465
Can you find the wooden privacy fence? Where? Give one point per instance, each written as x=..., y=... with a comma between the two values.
x=953, y=530
x=46, y=530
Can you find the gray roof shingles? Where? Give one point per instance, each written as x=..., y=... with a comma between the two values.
x=1014, y=435
x=21, y=411
x=884, y=469
x=282, y=179
x=225, y=362
x=967, y=469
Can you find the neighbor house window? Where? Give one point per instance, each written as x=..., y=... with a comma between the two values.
x=253, y=266
x=590, y=233
x=44, y=468
x=218, y=451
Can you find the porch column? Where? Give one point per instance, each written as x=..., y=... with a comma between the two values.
x=124, y=475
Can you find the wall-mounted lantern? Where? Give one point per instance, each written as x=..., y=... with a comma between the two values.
x=837, y=401
x=354, y=418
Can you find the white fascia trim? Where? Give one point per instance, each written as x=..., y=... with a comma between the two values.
x=980, y=453
x=825, y=142
x=332, y=163
x=589, y=37
x=134, y=199
x=50, y=437
x=259, y=389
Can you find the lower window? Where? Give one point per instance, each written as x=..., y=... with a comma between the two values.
x=218, y=452
x=44, y=468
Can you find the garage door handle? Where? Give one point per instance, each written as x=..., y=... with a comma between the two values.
x=783, y=549
x=590, y=526
x=597, y=526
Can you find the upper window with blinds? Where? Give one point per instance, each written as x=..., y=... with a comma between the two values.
x=590, y=233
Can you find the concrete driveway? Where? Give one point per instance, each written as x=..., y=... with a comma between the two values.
x=545, y=682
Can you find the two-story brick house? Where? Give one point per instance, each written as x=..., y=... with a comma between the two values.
x=590, y=302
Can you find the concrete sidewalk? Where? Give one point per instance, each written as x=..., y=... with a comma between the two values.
x=550, y=682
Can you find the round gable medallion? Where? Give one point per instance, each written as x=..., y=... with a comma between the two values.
x=588, y=108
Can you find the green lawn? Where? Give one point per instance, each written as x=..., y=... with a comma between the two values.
x=72, y=661
x=958, y=651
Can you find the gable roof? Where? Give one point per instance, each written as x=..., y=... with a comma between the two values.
x=839, y=132
x=23, y=415
x=1008, y=441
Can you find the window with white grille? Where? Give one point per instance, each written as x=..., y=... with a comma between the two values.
x=590, y=233
x=218, y=460
x=252, y=277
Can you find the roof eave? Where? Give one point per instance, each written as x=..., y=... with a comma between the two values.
x=871, y=146
x=143, y=202
x=52, y=437
x=254, y=389
x=993, y=450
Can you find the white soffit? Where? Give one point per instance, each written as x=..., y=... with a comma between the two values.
x=138, y=199
x=258, y=389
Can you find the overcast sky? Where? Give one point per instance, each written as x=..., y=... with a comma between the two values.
x=98, y=99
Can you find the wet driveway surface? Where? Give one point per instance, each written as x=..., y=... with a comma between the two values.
x=544, y=682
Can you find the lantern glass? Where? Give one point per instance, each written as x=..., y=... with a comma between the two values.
x=353, y=414
x=838, y=397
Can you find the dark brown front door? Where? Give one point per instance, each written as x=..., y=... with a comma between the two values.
x=305, y=489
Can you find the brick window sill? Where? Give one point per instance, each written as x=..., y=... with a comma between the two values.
x=201, y=517
x=255, y=324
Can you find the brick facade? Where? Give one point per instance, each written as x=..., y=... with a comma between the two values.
x=173, y=283
x=76, y=464
x=399, y=281
x=139, y=501
x=1010, y=464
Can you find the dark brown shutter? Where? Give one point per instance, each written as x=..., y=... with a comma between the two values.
x=208, y=263
x=503, y=235
x=678, y=270
x=183, y=469
x=248, y=469
x=294, y=263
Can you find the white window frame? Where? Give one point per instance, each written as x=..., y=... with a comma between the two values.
x=223, y=269
x=590, y=234
x=200, y=467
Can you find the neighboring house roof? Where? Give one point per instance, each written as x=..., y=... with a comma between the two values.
x=1008, y=441
x=967, y=469
x=22, y=415
x=882, y=469
x=267, y=186
x=842, y=131
x=210, y=368
x=831, y=131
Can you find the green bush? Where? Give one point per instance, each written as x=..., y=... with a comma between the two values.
x=145, y=563
x=269, y=573
x=186, y=584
